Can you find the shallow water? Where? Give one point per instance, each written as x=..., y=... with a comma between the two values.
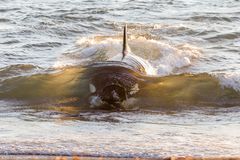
x=44, y=44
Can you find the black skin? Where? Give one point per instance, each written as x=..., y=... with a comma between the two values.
x=113, y=79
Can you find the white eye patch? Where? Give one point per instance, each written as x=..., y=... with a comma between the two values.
x=92, y=88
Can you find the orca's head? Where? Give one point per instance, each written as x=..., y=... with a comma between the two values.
x=111, y=90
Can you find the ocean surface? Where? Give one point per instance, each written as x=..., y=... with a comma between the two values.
x=190, y=107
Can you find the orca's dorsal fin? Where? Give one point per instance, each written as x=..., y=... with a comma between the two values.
x=126, y=48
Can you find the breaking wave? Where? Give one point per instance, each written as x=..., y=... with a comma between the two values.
x=166, y=88
x=164, y=57
x=168, y=91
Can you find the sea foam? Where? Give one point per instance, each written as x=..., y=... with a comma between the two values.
x=163, y=57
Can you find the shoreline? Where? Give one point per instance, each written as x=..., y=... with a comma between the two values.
x=44, y=157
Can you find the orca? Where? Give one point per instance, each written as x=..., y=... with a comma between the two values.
x=116, y=80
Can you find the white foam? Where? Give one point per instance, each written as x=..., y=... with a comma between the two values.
x=172, y=57
x=237, y=43
x=229, y=80
x=164, y=57
x=86, y=48
x=110, y=45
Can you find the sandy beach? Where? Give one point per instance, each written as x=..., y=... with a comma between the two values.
x=109, y=158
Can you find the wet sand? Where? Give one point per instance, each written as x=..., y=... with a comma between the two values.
x=38, y=157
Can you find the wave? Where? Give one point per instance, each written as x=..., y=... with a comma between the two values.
x=213, y=18
x=164, y=57
x=17, y=70
x=72, y=83
x=69, y=80
x=229, y=80
x=4, y=20
x=223, y=36
x=46, y=44
x=42, y=86
x=190, y=89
